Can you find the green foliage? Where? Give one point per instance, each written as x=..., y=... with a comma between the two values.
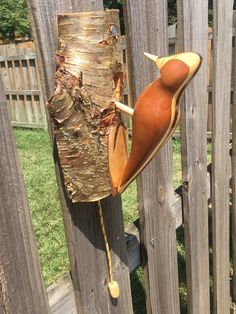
x=172, y=12
x=13, y=18
x=114, y=4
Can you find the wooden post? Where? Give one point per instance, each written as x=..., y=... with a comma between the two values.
x=21, y=286
x=193, y=19
x=146, y=27
x=86, y=246
x=222, y=52
x=233, y=236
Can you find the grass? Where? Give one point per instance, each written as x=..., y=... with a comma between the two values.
x=38, y=170
x=37, y=165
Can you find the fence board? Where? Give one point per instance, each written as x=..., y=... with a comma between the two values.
x=23, y=85
x=21, y=79
x=84, y=238
x=61, y=295
x=8, y=81
x=193, y=19
x=233, y=236
x=222, y=43
x=21, y=287
x=11, y=51
x=157, y=220
x=34, y=86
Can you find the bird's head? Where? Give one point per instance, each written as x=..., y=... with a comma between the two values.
x=178, y=69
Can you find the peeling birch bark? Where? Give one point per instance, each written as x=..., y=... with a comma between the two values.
x=87, y=124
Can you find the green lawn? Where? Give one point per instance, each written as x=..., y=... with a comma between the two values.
x=38, y=170
x=37, y=164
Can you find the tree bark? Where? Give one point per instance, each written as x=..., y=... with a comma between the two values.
x=88, y=78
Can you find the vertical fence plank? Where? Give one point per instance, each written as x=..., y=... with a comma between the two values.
x=233, y=236
x=84, y=238
x=11, y=52
x=21, y=287
x=34, y=86
x=31, y=104
x=146, y=27
x=10, y=83
x=23, y=84
x=27, y=85
x=42, y=109
x=193, y=36
x=222, y=43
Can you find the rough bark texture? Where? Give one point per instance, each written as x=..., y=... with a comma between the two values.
x=88, y=78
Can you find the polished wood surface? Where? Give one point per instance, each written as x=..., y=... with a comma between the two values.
x=156, y=112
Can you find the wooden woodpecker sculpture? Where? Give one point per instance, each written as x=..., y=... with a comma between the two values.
x=86, y=106
x=86, y=110
x=155, y=117
x=156, y=112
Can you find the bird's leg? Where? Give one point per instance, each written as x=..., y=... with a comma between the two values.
x=124, y=108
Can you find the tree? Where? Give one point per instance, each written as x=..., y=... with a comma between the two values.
x=13, y=18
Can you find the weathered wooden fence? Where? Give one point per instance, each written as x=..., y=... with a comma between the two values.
x=19, y=70
x=161, y=209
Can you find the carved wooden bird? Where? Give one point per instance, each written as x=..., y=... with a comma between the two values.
x=155, y=117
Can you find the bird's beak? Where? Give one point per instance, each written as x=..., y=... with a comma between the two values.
x=151, y=57
x=154, y=58
x=159, y=61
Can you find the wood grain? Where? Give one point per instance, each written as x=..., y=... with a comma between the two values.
x=146, y=27
x=84, y=238
x=61, y=294
x=193, y=36
x=21, y=286
x=222, y=43
x=233, y=160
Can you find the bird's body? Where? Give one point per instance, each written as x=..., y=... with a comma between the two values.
x=150, y=122
x=156, y=113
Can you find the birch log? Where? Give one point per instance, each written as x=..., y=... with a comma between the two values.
x=88, y=79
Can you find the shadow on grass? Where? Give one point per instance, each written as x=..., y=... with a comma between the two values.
x=181, y=269
x=138, y=292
